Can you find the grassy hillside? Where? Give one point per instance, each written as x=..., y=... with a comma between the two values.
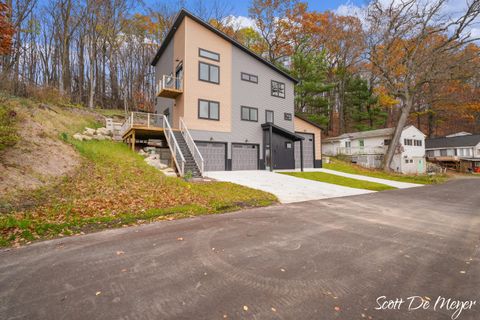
x=109, y=186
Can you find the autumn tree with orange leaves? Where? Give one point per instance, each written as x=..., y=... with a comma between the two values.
x=6, y=30
x=413, y=44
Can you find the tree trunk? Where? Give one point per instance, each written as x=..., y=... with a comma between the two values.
x=405, y=112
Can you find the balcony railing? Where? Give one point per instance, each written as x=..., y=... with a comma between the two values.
x=142, y=120
x=169, y=87
x=359, y=150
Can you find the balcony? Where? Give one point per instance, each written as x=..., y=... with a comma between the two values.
x=169, y=87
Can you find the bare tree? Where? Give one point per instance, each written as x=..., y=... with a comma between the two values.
x=414, y=43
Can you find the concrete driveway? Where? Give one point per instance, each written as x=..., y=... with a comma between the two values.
x=288, y=189
x=327, y=259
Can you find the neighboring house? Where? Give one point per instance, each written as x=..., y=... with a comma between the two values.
x=368, y=148
x=238, y=107
x=460, y=151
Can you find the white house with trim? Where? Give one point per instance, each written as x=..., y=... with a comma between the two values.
x=368, y=148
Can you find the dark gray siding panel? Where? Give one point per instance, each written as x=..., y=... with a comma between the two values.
x=165, y=66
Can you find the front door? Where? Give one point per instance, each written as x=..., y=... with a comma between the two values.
x=283, y=152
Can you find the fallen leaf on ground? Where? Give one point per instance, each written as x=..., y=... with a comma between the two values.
x=98, y=292
x=245, y=308
x=337, y=308
x=180, y=239
x=274, y=310
x=120, y=253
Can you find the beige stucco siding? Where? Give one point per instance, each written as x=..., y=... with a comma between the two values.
x=197, y=36
x=304, y=126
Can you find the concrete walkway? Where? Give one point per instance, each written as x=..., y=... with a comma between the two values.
x=288, y=189
x=396, y=184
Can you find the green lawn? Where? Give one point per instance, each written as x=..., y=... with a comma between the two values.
x=346, y=167
x=339, y=180
x=115, y=187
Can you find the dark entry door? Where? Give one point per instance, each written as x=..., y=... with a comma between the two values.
x=283, y=152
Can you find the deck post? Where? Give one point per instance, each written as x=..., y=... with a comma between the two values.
x=301, y=155
x=133, y=141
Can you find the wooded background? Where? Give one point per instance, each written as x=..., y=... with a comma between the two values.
x=403, y=62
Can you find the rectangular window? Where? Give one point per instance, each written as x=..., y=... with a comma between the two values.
x=208, y=72
x=287, y=116
x=386, y=142
x=209, y=110
x=348, y=144
x=278, y=89
x=288, y=145
x=361, y=143
x=269, y=117
x=208, y=54
x=249, y=77
x=249, y=114
x=408, y=142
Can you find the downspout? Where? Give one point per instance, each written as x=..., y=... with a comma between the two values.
x=271, y=148
x=301, y=155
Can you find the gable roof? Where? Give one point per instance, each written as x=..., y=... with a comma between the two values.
x=448, y=142
x=309, y=122
x=369, y=134
x=184, y=13
x=363, y=134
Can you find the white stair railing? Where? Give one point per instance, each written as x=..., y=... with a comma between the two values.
x=174, y=148
x=197, y=156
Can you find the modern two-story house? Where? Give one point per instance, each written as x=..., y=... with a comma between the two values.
x=237, y=107
x=368, y=148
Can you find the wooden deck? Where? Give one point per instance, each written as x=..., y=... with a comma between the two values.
x=140, y=132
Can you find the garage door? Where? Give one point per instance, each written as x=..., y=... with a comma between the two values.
x=213, y=154
x=308, y=152
x=244, y=157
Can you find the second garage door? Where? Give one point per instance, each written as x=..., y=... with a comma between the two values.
x=244, y=156
x=308, y=147
x=213, y=154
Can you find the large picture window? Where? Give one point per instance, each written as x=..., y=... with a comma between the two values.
x=208, y=72
x=278, y=89
x=249, y=114
x=209, y=110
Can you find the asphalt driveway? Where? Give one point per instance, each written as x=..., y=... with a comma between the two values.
x=327, y=259
x=288, y=189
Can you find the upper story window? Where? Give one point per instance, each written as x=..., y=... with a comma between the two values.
x=249, y=114
x=269, y=117
x=208, y=54
x=249, y=77
x=348, y=144
x=209, y=110
x=208, y=72
x=287, y=116
x=278, y=89
x=386, y=142
x=408, y=142
x=361, y=143
x=417, y=143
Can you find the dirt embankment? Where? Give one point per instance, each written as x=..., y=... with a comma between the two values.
x=40, y=156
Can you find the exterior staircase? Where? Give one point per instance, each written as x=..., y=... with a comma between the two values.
x=190, y=164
